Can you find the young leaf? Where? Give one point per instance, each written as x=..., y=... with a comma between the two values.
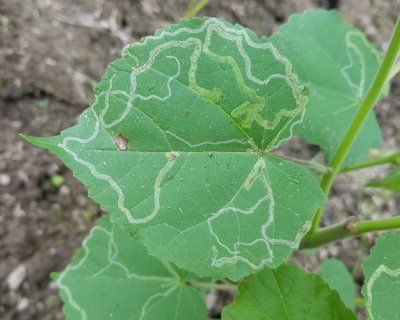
x=176, y=144
x=381, y=289
x=391, y=182
x=338, y=277
x=286, y=293
x=337, y=63
x=113, y=277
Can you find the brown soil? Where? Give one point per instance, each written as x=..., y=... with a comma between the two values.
x=52, y=53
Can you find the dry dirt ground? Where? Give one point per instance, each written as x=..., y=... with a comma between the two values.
x=52, y=53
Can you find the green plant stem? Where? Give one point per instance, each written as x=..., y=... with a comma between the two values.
x=193, y=10
x=348, y=228
x=362, y=114
x=359, y=302
x=377, y=225
x=208, y=285
x=388, y=159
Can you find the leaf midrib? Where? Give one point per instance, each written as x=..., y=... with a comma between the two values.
x=280, y=294
x=170, y=151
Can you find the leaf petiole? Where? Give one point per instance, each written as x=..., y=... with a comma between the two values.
x=210, y=285
x=393, y=158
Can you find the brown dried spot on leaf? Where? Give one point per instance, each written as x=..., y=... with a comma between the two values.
x=121, y=142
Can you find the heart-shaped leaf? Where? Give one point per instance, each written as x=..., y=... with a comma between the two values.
x=337, y=63
x=175, y=145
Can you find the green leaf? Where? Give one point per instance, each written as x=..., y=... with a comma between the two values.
x=113, y=277
x=286, y=293
x=337, y=63
x=175, y=145
x=338, y=277
x=381, y=289
x=391, y=182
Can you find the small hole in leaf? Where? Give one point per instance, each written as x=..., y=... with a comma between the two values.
x=121, y=142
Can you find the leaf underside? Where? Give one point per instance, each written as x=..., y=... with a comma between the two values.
x=338, y=64
x=381, y=289
x=286, y=293
x=175, y=146
x=113, y=277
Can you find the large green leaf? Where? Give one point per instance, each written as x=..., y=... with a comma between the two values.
x=113, y=277
x=286, y=293
x=337, y=63
x=338, y=277
x=390, y=182
x=176, y=144
x=381, y=289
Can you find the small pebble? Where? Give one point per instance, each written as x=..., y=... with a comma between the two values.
x=65, y=190
x=18, y=212
x=5, y=180
x=52, y=169
x=53, y=285
x=16, y=277
x=23, y=304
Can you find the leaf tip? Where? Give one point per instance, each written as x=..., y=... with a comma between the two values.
x=55, y=275
x=33, y=140
x=37, y=141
